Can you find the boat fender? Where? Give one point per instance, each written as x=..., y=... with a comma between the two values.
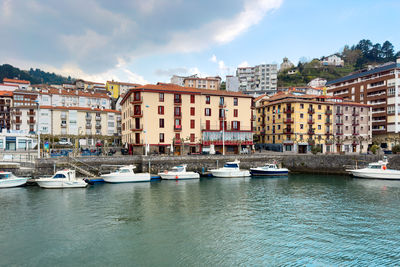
x=384, y=167
x=176, y=177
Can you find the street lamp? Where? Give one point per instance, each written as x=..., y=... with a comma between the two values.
x=145, y=134
x=37, y=127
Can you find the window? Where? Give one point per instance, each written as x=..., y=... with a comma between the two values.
x=222, y=113
x=161, y=137
x=137, y=96
x=161, y=97
x=208, y=100
x=137, y=138
x=319, y=116
x=301, y=126
x=301, y=106
x=192, y=111
x=235, y=113
x=161, y=123
x=207, y=125
x=279, y=127
x=319, y=127
x=192, y=123
x=207, y=111
x=236, y=125
x=177, y=98
x=137, y=110
x=235, y=101
x=301, y=115
x=192, y=99
x=319, y=107
x=192, y=137
x=177, y=111
x=177, y=136
x=161, y=110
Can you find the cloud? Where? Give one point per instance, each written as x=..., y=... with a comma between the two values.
x=96, y=35
x=170, y=72
x=213, y=58
x=244, y=64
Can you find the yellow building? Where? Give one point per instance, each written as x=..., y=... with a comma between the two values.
x=295, y=122
x=119, y=88
x=171, y=118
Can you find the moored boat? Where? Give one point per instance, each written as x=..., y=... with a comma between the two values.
x=62, y=179
x=126, y=174
x=376, y=170
x=230, y=170
x=8, y=179
x=268, y=169
x=179, y=173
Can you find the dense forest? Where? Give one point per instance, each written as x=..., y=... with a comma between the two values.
x=35, y=76
x=355, y=57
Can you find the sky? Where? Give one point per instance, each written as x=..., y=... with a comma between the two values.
x=149, y=41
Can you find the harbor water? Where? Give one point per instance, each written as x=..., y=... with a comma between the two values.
x=300, y=220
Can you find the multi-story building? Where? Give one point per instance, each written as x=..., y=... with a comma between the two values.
x=212, y=83
x=293, y=122
x=380, y=88
x=171, y=118
x=232, y=83
x=6, y=99
x=179, y=80
x=13, y=84
x=24, y=115
x=333, y=60
x=119, y=88
x=261, y=79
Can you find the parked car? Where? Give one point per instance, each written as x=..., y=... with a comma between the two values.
x=64, y=143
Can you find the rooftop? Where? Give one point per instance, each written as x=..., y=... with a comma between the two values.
x=7, y=80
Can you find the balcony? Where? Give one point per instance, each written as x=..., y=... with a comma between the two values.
x=137, y=100
x=178, y=102
x=356, y=133
x=222, y=105
x=138, y=128
x=31, y=121
x=63, y=116
x=98, y=126
x=355, y=113
x=328, y=112
x=311, y=111
x=288, y=120
x=177, y=128
x=262, y=132
x=18, y=113
x=31, y=113
x=339, y=112
x=311, y=131
x=137, y=114
x=310, y=121
x=88, y=126
x=328, y=133
x=178, y=115
x=63, y=125
x=288, y=110
x=287, y=131
x=118, y=119
x=339, y=133
x=98, y=117
x=339, y=122
x=355, y=123
x=262, y=115
x=328, y=122
x=17, y=121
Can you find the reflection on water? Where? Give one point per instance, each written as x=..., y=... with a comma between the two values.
x=296, y=220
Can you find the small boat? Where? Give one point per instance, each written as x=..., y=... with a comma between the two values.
x=126, y=174
x=268, y=169
x=179, y=173
x=230, y=170
x=62, y=179
x=377, y=170
x=8, y=179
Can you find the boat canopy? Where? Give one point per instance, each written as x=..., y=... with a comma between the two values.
x=231, y=165
x=179, y=168
x=5, y=175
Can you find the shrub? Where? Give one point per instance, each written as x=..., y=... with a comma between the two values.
x=396, y=149
x=315, y=149
x=374, y=149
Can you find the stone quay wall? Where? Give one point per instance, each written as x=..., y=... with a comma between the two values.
x=328, y=164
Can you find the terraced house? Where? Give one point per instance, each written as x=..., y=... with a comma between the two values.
x=174, y=119
x=380, y=88
x=295, y=122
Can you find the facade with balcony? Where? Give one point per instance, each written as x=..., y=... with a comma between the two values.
x=296, y=123
x=181, y=120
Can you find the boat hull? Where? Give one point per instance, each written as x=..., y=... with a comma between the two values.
x=384, y=175
x=179, y=176
x=256, y=172
x=229, y=174
x=8, y=183
x=136, y=178
x=52, y=184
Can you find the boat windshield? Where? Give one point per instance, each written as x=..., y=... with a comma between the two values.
x=374, y=166
x=5, y=175
x=231, y=165
x=178, y=169
x=59, y=175
x=124, y=170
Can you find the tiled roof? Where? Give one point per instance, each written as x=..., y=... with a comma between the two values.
x=73, y=92
x=6, y=93
x=12, y=85
x=365, y=73
x=15, y=81
x=80, y=108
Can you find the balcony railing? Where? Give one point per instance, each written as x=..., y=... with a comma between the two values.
x=339, y=122
x=339, y=133
x=355, y=123
x=311, y=111
x=18, y=113
x=356, y=133
x=98, y=126
x=177, y=128
x=288, y=120
x=288, y=131
x=88, y=126
x=138, y=128
x=137, y=114
x=63, y=116
x=311, y=131
x=31, y=121
x=328, y=121
x=310, y=121
x=288, y=110
x=31, y=113
x=137, y=100
x=355, y=113
x=63, y=125
x=98, y=117
x=177, y=102
x=328, y=112
x=178, y=115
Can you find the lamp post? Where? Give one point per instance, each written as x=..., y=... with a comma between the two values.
x=145, y=134
x=37, y=127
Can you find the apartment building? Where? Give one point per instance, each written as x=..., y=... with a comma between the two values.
x=258, y=80
x=6, y=99
x=232, y=83
x=211, y=83
x=380, y=88
x=293, y=122
x=119, y=88
x=179, y=80
x=13, y=84
x=24, y=114
x=175, y=119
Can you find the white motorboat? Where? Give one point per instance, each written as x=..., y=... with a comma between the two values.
x=230, y=170
x=62, y=179
x=376, y=170
x=8, y=179
x=179, y=173
x=268, y=169
x=126, y=174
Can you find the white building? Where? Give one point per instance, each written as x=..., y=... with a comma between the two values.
x=180, y=80
x=258, y=80
x=232, y=83
x=286, y=64
x=317, y=82
x=333, y=60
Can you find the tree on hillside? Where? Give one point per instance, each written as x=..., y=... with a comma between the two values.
x=388, y=50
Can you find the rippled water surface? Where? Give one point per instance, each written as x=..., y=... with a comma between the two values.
x=301, y=220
